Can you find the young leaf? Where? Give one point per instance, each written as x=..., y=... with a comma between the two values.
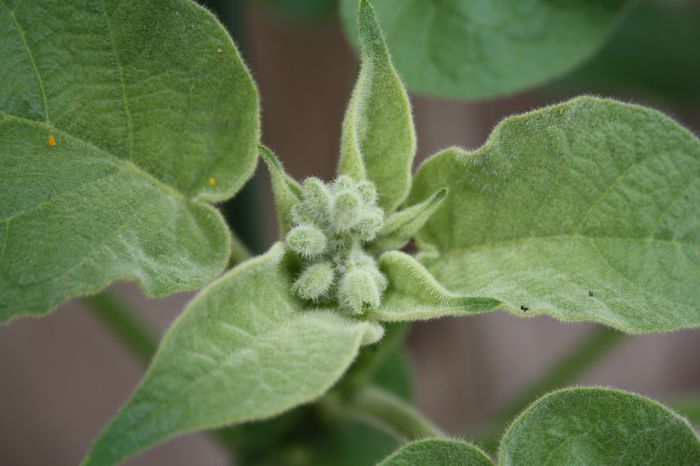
x=587, y=210
x=118, y=119
x=480, y=49
x=413, y=293
x=438, y=452
x=244, y=349
x=401, y=226
x=286, y=189
x=598, y=426
x=378, y=140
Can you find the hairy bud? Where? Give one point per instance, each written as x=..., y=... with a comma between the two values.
x=332, y=224
x=369, y=226
x=357, y=289
x=316, y=200
x=367, y=192
x=315, y=281
x=346, y=210
x=306, y=240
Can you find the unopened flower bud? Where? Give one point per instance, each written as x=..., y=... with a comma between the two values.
x=357, y=289
x=346, y=210
x=307, y=241
x=314, y=282
x=317, y=199
x=368, y=192
x=371, y=223
x=343, y=183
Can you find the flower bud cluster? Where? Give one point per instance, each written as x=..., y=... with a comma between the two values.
x=331, y=225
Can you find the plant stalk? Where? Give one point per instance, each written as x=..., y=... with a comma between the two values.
x=578, y=360
x=239, y=251
x=582, y=357
x=385, y=411
x=118, y=318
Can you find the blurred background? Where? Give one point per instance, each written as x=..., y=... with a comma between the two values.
x=65, y=375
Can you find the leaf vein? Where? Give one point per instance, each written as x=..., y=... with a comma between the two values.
x=40, y=81
x=122, y=84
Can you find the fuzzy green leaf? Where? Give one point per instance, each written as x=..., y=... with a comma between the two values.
x=244, y=349
x=401, y=226
x=438, y=452
x=286, y=189
x=587, y=210
x=413, y=293
x=585, y=426
x=476, y=49
x=378, y=140
x=119, y=119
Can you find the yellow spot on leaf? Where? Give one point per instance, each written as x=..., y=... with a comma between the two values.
x=219, y=50
x=52, y=140
x=212, y=181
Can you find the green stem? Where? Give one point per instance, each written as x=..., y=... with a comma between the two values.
x=239, y=251
x=372, y=357
x=385, y=411
x=577, y=361
x=122, y=322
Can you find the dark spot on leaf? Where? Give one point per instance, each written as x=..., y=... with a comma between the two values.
x=524, y=308
x=590, y=294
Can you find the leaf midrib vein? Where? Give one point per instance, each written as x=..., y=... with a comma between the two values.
x=122, y=84
x=128, y=433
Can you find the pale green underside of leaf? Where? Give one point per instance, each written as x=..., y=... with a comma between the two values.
x=437, y=452
x=378, y=141
x=587, y=210
x=244, y=349
x=118, y=119
x=587, y=426
x=413, y=293
x=475, y=49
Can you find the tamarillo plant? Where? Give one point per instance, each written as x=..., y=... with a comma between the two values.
x=122, y=122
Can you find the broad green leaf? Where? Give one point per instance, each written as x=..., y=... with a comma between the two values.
x=414, y=294
x=587, y=210
x=438, y=452
x=119, y=119
x=244, y=349
x=586, y=426
x=378, y=140
x=476, y=49
x=286, y=189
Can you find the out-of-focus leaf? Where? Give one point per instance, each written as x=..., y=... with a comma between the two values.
x=589, y=426
x=475, y=49
x=438, y=452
